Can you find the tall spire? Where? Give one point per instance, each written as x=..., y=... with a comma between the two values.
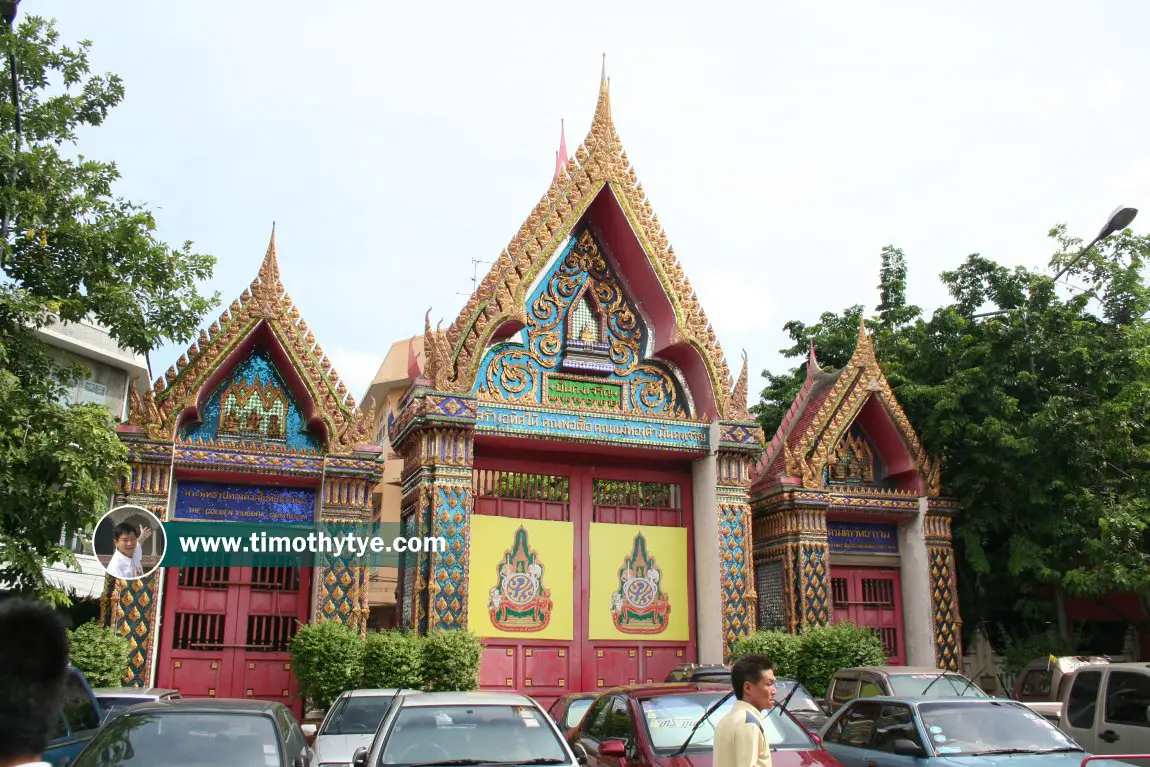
x=561, y=155
x=812, y=359
x=270, y=268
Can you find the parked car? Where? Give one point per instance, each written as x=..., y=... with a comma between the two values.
x=477, y=727
x=568, y=711
x=351, y=722
x=200, y=731
x=113, y=699
x=80, y=718
x=1041, y=683
x=936, y=732
x=901, y=681
x=649, y=725
x=694, y=672
x=1106, y=708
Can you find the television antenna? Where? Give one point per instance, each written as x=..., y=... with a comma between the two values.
x=475, y=262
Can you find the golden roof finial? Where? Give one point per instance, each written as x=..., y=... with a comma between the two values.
x=737, y=409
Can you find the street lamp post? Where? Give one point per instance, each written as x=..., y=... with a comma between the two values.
x=8, y=14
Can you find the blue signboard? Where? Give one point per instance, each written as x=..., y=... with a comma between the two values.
x=526, y=422
x=215, y=502
x=862, y=538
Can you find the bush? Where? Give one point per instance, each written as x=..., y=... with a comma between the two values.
x=824, y=650
x=100, y=654
x=1018, y=652
x=451, y=660
x=326, y=658
x=779, y=646
x=392, y=659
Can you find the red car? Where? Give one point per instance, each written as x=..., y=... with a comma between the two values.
x=646, y=725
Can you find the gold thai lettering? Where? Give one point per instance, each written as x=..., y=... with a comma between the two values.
x=563, y=391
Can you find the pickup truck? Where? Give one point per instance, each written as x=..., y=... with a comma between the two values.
x=1041, y=682
x=80, y=718
x=1106, y=708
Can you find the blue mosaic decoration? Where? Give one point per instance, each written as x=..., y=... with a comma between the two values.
x=734, y=534
x=131, y=614
x=253, y=404
x=813, y=584
x=447, y=594
x=584, y=339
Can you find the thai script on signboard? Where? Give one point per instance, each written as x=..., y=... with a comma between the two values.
x=862, y=538
x=216, y=502
x=591, y=394
x=538, y=423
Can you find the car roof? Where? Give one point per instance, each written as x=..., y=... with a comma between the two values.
x=376, y=692
x=133, y=692
x=665, y=688
x=902, y=670
x=206, y=705
x=914, y=700
x=471, y=698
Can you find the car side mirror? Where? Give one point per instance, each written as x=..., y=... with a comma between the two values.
x=904, y=747
x=580, y=753
x=818, y=740
x=299, y=761
x=613, y=747
x=359, y=758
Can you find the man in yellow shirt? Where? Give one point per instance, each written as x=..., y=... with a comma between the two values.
x=741, y=737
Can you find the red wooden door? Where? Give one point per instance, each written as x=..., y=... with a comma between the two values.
x=226, y=632
x=582, y=494
x=871, y=597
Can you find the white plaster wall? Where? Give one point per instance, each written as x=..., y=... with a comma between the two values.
x=914, y=574
x=708, y=586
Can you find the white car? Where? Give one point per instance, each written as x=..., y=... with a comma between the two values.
x=350, y=723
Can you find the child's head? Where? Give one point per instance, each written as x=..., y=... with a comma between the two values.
x=126, y=536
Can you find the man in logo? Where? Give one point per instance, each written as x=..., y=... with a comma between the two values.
x=741, y=737
x=127, y=562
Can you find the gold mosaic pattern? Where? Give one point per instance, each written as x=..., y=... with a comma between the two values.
x=453, y=357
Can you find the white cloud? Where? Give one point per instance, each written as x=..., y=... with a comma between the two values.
x=356, y=368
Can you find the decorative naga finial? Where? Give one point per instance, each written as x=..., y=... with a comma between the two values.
x=737, y=403
x=864, y=347
x=430, y=352
x=812, y=358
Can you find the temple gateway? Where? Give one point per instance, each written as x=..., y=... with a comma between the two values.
x=578, y=419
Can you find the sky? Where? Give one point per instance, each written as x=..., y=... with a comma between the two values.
x=782, y=145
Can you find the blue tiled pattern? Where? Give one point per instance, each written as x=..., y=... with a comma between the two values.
x=449, y=594
x=737, y=617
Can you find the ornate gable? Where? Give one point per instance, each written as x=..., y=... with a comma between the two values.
x=454, y=357
x=819, y=439
x=188, y=402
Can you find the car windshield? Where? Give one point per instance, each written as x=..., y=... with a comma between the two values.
x=708, y=677
x=486, y=733
x=800, y=700
x=931, y=686
x=576, y=710
x=111, y=705
x=669, y=719
x=958, y=729
x=177, y=739
x=357, y=715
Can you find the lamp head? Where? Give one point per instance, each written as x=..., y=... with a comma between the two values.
x=8, y=10
x=1119, y=220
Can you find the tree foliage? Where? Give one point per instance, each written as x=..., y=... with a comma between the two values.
x=1039, y=413
x=71, y=250
x=99, y=653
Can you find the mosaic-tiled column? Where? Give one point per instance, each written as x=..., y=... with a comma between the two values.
x=790, y=528
x=435, y=433
x=129, y=607
x=739, y=448
x=943, y=587
x=342, y=591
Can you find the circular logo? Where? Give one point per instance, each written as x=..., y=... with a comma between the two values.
x=640, y=592
x=519, y=588
x=129, y=542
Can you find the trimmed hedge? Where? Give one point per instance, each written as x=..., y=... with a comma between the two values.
x=327, y=658
x=392, y=659
x=451, y=661
x=828, y=649
x=100, y=654
x=782, y=648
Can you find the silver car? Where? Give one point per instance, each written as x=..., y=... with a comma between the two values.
x=113, y=699
x=350, y=722
x=476, y=727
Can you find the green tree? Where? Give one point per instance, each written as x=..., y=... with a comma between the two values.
x=71, y=250
x=1038, y=411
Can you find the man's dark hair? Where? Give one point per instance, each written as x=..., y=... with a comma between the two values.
x=33, y=673
x=749, y=668
x=123, y=528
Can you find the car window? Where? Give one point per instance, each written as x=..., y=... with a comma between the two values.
x=575, y=712
x=797, y=700
x=940, y=685
x=291, y=731
x=443, y=733
x=713, y=677
x=1036, y=683
x=869, y=687
x=596, y=720
x=171, y=738
x=359, y=715
x=669, y=718
x=1128, y=698
x=858, y=725
x=79, y=706
x=895, y=722
x=974, y=727
x=619, y=722
x=1083, y=700
x=844, y=689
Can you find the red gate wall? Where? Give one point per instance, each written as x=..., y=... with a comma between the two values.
x=870, y=596
x=548, y=669
x=226, y=631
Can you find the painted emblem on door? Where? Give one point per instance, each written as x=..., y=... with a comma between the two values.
x=520, y=602
x=639, y=606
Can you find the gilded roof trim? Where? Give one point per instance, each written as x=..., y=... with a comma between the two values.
x=265, y=301
x=599, y=162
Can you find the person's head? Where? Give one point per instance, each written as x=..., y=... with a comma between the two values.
x=753, y=678
x=126, y=535
x=33, y=672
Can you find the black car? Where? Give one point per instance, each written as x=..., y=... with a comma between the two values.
x=199, y=731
